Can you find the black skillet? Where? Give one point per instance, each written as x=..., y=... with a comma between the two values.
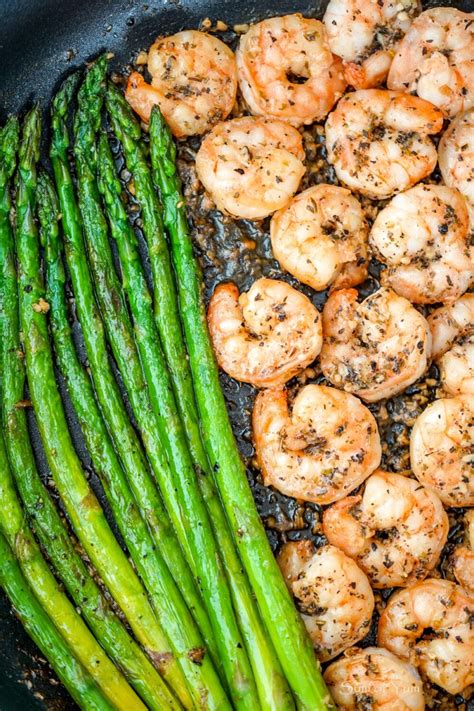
x=40, y=42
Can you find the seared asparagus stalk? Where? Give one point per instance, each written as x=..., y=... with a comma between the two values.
x=122, y=432
x=283, y=623
x=36, y=622
x=164, y=594
x=82, y=506
x=37, y=501
x=178, y=482
x=273, y=691
x=62, y=613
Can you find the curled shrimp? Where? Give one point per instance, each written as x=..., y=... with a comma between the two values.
x=332, y=594
x=463, y=556
x=264, y=336
x=273, y=57
x=448, y=323
x=321, y=238
x=319, y=452
x=251, y=166
x=452, y=330
x=395, y=529
x=442, y=449
x=375, y=679
x=365, y=34
x=435, y=60
x=194, y=82
x=375, y=348
x=379, y=141
x=422, y=237
x=456, y=158
x=445, y=655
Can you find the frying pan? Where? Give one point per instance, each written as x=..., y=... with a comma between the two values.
x=40, y=42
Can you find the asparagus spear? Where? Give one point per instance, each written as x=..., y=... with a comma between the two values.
x=178, y=481
x=75, y=678
x=55, y=603
x=165, y=596
x=273, y=691
x=48, y=524
x=123, y=434
x=283, y=622
x=85, y=513
x=165, y=306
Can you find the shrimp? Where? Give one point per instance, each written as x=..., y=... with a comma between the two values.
x=374, y=349
x=194, y=82
x=379, y=141
x=320, y=452
x=251, y=166
x=321, y=238
x=265, y=336
x=365, y=34
x=375, y=679
x=422, y=237
x=332, y=594
x=456, y=368
x=445, y=655
x=395, y=529
x=456, y=158
x=442, y=449
x=272, y=59
x=452, y=329
x=435, y=60
x=463, y=557
x=448, y=323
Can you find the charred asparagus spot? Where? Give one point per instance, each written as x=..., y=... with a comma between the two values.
x=283, y=623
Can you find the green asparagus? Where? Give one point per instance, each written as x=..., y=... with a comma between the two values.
x=122, y=432
x=75, y=678
x=164, y=595
x=36, y=499
x=85, y=513
x=68, y=622
x=178, y=482
x=273, y=691
x=283, y=623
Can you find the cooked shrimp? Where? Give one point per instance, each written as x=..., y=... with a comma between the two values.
x=374, y=349
x=272, y=59
x=375, y=679
x=452, y=330
x=251, y=166
x=445, y=655
x=379, y=141
x=442, y=449
x=456, y=368
x=435, y=60
x=321, y=238
x=456, y=158
x=422, y=237
x=449, y=323
x=194, y=82
x=319, y=452
x=395, y=529
x=365, y=34
x=264, y=336
x=463, y=556
x=332, y=594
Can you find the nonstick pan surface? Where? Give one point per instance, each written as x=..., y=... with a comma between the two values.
x=40, y=42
